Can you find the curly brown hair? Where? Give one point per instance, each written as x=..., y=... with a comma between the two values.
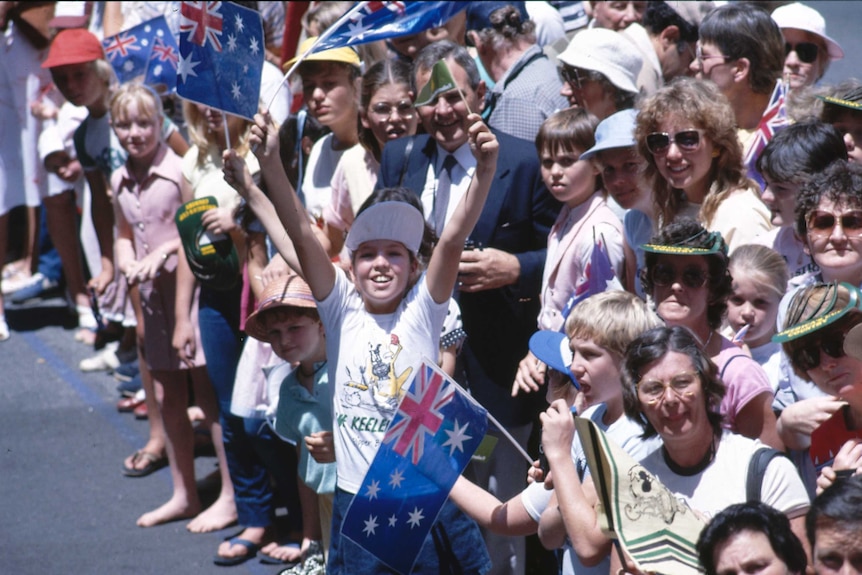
x=700, y=103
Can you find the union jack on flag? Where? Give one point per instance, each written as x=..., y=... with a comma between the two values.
x=131, y=52
x=774, y=118
x=428, y=444
x=221, y=56
x=162, y=70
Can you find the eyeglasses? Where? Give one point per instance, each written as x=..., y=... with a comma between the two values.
x=383, y=110
x=700, y=57
x=805, y=51
x=653, y=390
x=658, y=143
x=820, y=224
x=832, y=344
x=692, y=277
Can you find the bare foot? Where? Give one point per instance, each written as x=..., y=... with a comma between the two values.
x=217, y=516
x=255, y=535
x=173, y=510
x=286, y=553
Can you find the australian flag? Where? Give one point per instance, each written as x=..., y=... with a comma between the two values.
x=221, y=56
x=774, y=118
x=426, y=447
x=598, y=276
x=371, y=21
x=137, y=52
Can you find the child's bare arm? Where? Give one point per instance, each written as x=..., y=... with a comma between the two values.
x=509, y=518
x=443, y=267
x=314, y=264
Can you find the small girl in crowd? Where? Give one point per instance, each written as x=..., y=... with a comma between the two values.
x=146, y=196
x=584, y=221
x=759, y=282
x=386, y=112
x=381, y=319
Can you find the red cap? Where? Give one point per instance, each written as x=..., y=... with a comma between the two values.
x=73, y=46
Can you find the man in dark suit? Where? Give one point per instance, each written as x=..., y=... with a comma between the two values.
x=500, y=278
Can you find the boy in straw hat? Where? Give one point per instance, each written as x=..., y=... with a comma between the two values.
x=287, y=319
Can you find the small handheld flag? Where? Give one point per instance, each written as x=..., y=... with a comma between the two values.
x=221, y=56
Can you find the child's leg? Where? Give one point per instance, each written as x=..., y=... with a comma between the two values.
x=156, y=442
x=171, y=389
x=223, y=511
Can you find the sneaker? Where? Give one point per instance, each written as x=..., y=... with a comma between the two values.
x=4, y=329
x=105, y=360
x=38, y=286
x=127, y=371
x=14, y=281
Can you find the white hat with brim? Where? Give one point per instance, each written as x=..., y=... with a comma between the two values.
x=801, y=17
x=396, y=221
x=615, y=131
x=608, y=53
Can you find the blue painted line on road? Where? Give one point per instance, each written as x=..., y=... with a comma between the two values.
x=85, y=391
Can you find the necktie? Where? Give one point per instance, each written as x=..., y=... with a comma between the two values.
x=441, y=196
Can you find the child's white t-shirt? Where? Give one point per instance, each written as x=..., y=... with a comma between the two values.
x=372, y=360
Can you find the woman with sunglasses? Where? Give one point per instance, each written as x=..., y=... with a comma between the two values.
x=807, y=47
x=818, y=320
x=687, y=133
x=686, y=276
x=672, y=389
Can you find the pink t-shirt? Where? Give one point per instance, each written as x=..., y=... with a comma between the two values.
x=744, y=379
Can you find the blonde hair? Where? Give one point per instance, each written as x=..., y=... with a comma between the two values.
x=200, y=136
x=762, y=265
x=611, y=319
x=703, y=105
x=147, y=100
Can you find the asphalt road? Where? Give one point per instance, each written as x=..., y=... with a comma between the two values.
x=65, y=506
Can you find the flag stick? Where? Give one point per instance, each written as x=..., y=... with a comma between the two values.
x=326, y=34
x=502, y=429
x=226, y=131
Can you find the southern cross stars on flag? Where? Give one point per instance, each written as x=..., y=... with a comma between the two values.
x=221, y=56
x=131, y=52
x=429, y=442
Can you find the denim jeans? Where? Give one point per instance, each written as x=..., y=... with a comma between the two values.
x=249, y=445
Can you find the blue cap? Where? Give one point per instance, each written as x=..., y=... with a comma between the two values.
x=479, y=13
x=552, y=349
x=615, y=131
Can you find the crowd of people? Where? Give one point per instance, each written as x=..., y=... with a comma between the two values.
x=645, y=213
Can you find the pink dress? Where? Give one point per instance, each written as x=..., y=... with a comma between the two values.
x=148, y=208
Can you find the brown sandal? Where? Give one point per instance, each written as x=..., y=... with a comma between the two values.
x=154, y=463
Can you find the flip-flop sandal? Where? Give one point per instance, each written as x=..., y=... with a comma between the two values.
x=269, y=560
x=251, y=552
x=154, y=463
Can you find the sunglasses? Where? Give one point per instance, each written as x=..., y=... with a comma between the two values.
x=805, y=51
x=820, y=224
x=571, y=76
x=832, y=344
x=686, y=140
x=692, y=277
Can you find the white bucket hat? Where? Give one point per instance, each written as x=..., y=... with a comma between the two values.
x=608, y=53
x=802, y=17
x=397, y=221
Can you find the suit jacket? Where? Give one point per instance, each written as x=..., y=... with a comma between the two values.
x=517, y=218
